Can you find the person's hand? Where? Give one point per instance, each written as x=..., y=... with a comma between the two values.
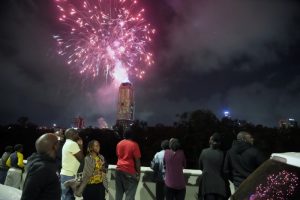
x=103, y=169
x=137, y=176
x=79, y=141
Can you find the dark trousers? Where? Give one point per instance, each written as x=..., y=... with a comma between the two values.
x=125, y=183
x=213, y=197
x=173, y=194
x=94, y=192
x=160, y=190
x=3, y=173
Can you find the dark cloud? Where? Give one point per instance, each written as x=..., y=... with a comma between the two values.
x=218, y=53
x=240, y=55
x=209, y=34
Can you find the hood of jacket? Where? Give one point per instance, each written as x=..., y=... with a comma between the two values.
x=36, y=160
x=240, y=146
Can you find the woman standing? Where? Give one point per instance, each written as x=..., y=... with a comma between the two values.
x=213, y=184
x=3, y=167
x=175, y=162
x=93, y=175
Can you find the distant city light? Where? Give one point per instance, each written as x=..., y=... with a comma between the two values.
x=54, y=125
x=287, y=123
x=226, y=113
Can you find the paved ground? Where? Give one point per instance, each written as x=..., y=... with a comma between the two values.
x=9, y=193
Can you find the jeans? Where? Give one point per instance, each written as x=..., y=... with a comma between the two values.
x=125, y=183
x=173, y=194
x=66, y=193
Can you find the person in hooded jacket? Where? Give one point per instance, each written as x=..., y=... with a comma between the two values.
x=242, y=159
x=42, y=182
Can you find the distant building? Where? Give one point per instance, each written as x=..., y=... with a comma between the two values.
x=288, y=123
x=125, y=106
x=78, y=122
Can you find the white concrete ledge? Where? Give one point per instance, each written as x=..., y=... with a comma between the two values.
x=146, y=186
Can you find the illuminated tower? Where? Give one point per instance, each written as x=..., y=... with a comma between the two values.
x=125, y=109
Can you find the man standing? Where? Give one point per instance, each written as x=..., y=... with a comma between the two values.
x=16, y=166
x=213, y=185
x=128, y=166
x=157, y=164
x=242, y=159
x=71, y=157
x=42, y=182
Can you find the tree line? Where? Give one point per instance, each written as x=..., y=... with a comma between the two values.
x=193, y=129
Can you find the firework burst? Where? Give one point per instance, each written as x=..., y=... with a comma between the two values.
x=105, y=37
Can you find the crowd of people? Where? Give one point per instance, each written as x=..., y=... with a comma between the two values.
x=218, y=168
x=12, y=166
x=60, y=170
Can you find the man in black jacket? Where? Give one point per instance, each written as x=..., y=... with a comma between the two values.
x=242, y=159
x=42, y=181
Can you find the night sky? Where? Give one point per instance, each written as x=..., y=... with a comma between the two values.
x=237, y=55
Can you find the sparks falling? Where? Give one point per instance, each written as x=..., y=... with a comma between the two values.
x=279, y=186
x=105, y=37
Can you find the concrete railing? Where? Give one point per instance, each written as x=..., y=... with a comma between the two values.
x=146, y=187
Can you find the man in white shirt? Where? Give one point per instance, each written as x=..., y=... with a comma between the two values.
x=157, y=165
x=71, y=157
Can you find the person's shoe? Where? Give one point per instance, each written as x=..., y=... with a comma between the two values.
x=78, y=198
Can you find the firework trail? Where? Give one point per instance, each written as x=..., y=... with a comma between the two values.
x=105, y=37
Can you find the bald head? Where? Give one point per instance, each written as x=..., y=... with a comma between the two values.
x=245, y=136
x=47, y=144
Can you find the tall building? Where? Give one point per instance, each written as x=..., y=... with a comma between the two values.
x=125, y=107
x=78, y=122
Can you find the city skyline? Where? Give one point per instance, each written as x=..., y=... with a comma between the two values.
x=240, y=56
